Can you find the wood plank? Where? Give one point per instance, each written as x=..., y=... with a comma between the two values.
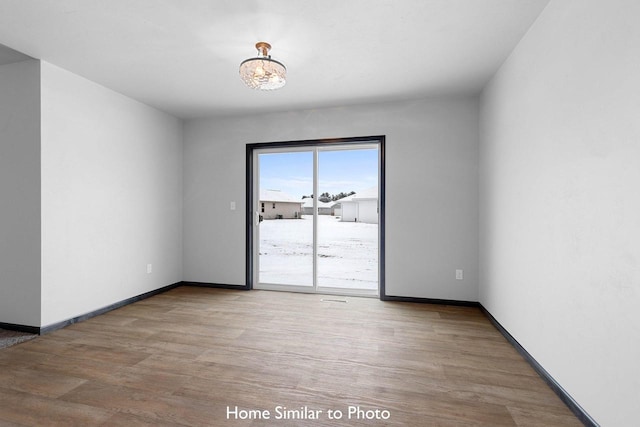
x=31, y=410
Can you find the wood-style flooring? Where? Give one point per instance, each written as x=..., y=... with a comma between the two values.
x=185, y=356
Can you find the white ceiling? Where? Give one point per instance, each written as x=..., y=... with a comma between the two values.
x=182, y=56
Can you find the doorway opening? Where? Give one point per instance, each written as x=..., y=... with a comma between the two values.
x=315, y=217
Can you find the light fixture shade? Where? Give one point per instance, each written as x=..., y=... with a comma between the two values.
x=262, y=72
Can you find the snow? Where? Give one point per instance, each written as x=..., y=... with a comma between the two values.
x=277, y=196
x=347, y=253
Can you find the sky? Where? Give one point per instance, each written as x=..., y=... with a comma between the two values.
x=338, y=171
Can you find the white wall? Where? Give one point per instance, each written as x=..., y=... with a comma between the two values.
x=20, y=193
x=368, y=211
x=349, y=211
x=111, y=196
x=431, y=151
x=560, y=173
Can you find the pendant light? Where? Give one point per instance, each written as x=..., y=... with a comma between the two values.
x=262, y=72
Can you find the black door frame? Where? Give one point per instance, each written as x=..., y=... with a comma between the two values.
x=250, y=209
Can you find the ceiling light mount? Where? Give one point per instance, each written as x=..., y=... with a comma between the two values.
x=262, y=72
x=263, y=48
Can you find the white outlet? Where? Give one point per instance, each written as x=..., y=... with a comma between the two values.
x=232, y=206
x=459, y=275
x=149, y=268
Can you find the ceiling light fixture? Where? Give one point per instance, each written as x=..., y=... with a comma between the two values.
x=262, y=72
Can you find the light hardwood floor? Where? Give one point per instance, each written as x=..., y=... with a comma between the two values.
x=185, y=356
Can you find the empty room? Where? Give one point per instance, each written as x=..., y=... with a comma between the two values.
x=319, y=213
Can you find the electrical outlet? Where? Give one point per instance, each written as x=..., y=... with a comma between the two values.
x=149, y=268
x=232, y=206
x=459, y=275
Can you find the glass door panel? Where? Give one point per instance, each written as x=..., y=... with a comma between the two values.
x=285, y=227
x=347, y=221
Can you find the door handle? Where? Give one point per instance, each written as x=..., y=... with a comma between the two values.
x=257, y=218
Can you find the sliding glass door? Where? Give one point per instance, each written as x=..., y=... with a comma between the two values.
x=316, y=218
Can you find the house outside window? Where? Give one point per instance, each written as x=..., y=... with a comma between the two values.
x=274, y=204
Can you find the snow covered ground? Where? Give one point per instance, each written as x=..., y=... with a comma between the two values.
x=347, y=253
